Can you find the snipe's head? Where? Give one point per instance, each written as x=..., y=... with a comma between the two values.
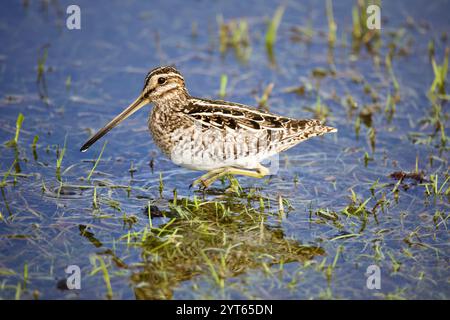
x=163, y=85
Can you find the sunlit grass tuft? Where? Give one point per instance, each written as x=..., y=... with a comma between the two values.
x=272, y=30
x=440, y=75
x=15, y=140
x=332, y=26
x=223, y=86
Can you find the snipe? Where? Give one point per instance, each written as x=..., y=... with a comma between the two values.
x=216, y=136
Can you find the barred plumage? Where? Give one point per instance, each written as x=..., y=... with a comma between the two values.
x=219, y=136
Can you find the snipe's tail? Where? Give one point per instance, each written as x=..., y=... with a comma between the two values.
x=329, y=129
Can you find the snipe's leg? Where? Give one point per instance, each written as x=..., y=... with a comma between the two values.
x=206, y=176
x=260, y=172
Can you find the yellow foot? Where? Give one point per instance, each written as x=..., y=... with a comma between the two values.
x=204, y=177
x=207, y=179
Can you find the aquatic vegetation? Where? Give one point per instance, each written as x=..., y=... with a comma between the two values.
x=223, y=86
x=272, y=30
x=161, y=185
x=377, y=193
x=303, y=34
x=41, y=69
x=440, y=74
x=332, y=26
x=216, y=238
x=33, y=147
x=262, y=103
x=391, y=71
x=433, y=187
x=320, y=110
x=15, y=140
x=361, y=34
x=68, y=82
x=390, y=107
x=6, y=175
x=96, y=161
x=235, y=35
x=60, y=156
x=99, y=264
x=436, y=120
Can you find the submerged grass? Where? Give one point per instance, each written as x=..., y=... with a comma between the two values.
x=33, y=147
x=41, y=81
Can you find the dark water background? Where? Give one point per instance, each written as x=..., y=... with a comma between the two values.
x=93, y=73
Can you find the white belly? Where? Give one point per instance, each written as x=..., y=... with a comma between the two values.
x=211, y=149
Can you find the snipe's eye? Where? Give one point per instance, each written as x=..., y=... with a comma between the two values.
x=161, y=80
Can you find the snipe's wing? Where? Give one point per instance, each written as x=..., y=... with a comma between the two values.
x=283, y=131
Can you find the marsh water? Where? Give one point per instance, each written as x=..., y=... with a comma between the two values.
x=374, y=194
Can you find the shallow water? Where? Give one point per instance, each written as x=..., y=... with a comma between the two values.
x=220, y=244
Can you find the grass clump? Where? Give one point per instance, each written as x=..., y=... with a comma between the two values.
x=211, y=240
x=440, y=75
x=320, y=110
x=433, y=187
x=361, y=34
x=235, y=35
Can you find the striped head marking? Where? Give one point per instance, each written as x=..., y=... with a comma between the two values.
x=164, y=83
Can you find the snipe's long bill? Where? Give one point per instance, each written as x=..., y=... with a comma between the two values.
x=210, y=135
